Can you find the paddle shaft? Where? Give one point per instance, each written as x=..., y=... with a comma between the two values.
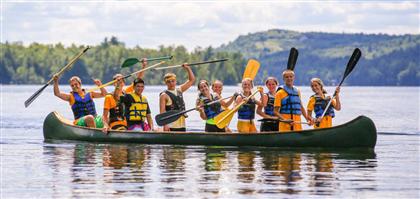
x=192, y=64
x=186, y=111
x=125, y=77
x=159, y=58
x=59, y=73
x=350, y=66
x=69, y=64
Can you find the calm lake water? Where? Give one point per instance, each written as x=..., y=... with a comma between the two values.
x=33, y=168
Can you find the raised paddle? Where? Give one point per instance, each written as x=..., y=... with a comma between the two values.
x=224, y=118
x=291, y=63
x=284, y=121
x=293, y=55
x=125, y=77
x=131, y=61
x=350, y=66
x=251, y=69
x=171, y=116
x=38, y=92
x=192, y=64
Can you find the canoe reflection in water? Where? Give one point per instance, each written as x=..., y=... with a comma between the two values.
x=210, y=170
x=119, y=156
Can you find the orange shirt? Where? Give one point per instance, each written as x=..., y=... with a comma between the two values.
x=129, y=89
x=109, y=102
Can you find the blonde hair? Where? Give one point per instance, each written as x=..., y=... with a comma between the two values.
x=216, y=81
x=248, y=79
x=75, y=78
x=117, y=76
x=288, y=72
x=169, y=76
x=319, y=81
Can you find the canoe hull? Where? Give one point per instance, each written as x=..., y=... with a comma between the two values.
x=358, y=133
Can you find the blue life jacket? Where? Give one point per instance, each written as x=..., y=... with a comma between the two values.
x=247, y=110
x=320, y=105
x=291, y=103
x=213, y=110
x=269, y=109
x=82, y=106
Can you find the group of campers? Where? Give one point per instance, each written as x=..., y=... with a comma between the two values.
x=127, y=108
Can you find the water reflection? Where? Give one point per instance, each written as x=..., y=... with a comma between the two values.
x=282, y=168
x=124, y=170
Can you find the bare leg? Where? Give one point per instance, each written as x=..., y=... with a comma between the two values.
x=90, y=121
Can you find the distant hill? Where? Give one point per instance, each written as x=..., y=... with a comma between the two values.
x=387, y=59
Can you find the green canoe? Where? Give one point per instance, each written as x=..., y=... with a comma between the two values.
x=358, y=133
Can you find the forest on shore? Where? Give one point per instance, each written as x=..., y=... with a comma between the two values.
x=387, y=60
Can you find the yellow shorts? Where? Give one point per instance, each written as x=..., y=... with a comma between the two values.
x=285, y=127
x=246, y=127
x=326, y=122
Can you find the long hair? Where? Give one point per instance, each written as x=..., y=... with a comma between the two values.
x=319, y=81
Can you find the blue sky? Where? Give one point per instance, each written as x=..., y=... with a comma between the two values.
x=195, y=23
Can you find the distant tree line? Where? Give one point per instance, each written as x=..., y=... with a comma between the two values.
x=386, y=61
x=36, y=63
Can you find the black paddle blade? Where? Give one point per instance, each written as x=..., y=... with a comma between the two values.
x=34, y=96
x=292, y=58
x=353, y=61
x=168, y=117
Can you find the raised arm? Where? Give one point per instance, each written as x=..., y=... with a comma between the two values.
x=103, y=90
x=57, y=92
x=191, y=78
x=143, y=66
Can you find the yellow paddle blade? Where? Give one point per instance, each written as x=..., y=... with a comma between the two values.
x=251, y=69
x=223, y=119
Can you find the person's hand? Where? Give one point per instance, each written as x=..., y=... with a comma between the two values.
x=235, y=94
x=337, y=91
x=55, y=78
x=260, y=89
x=144, y=62
x=98, y=82
x=199, y=108
x=310, y=120
x=166, y=128
x=185, y=65
x=105, y=129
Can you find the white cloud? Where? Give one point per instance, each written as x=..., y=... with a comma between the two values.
x=192, y=24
